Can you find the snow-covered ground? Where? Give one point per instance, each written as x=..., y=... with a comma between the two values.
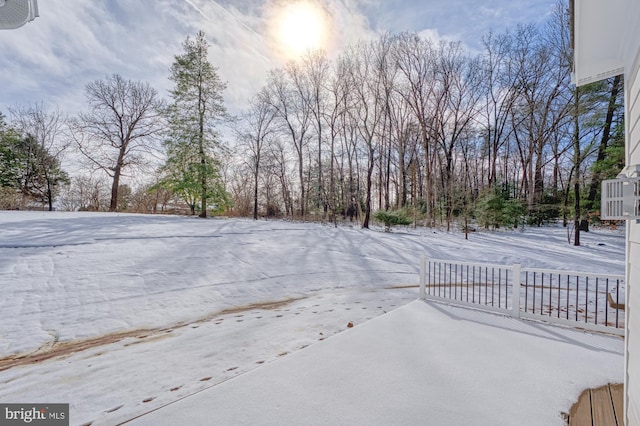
x=204, y=301
x=422, y=364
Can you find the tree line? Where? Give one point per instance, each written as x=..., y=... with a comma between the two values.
x=416, y=128
x=433, y=132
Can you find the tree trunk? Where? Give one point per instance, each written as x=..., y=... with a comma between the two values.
x=113, y=205
x=387, y=182
x=367, y=212
x=576, y=176
x=301, y=176
x=49, y=191
x=203, y=183
x=49, y=196
x=576, y=220
x=332, y=191
x=255, y=192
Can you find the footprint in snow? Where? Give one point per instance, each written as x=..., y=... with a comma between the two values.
x=149, y=399
x=111, y=410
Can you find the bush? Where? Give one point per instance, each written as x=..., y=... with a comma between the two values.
x=391, y=218
x=495, y=210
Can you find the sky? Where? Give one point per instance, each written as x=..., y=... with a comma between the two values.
x=74, y=42
x=253, y=316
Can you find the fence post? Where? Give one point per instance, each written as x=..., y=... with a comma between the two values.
x=515, y=292
x=423, y=278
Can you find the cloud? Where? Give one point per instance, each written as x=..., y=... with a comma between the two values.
x=74, y=42
x=460, y=20
x=434, y=35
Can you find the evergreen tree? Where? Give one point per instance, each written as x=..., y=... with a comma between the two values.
x=197, y=107
x=181, y=176
x=10, y=158
x=27, y=170
x=496, y=209
x=609, y=163
x=42, y=175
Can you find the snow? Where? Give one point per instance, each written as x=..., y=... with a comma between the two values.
x=194, y=295
x=446, y=366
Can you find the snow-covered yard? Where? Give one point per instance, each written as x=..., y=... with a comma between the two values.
x=204, y=301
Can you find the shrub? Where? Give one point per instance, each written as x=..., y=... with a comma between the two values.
x=494, y=210
x=391, y=218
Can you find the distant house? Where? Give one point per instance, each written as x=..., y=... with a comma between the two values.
x=606, y=38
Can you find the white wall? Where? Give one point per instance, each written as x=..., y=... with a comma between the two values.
x=630, y=50
x=632, y=355
x=607, y=36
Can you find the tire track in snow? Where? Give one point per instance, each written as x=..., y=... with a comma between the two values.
x=55, y=348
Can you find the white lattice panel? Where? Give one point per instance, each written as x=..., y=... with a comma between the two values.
x=620, y=199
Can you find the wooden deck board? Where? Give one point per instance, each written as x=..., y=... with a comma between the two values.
x=602, y=407
x=617, y=397
x=598, y=407
x=581, y=411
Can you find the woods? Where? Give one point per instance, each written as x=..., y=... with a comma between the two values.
x=423, y=129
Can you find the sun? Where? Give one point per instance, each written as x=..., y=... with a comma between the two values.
x=301, y=26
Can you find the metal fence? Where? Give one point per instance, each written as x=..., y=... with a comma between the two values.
x=586, y=300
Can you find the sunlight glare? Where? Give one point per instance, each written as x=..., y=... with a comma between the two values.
x=302, y=26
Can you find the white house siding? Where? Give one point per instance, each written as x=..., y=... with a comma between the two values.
x=607, y=39
x=632, y=380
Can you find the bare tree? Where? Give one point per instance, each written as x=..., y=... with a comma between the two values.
x=416, y=58
x=258, y=127
x=500, y=89
x=85, y=193
x=371, y=62
x=543, y=106
x=286, y=95
x=335, y=115
x=457, y=109
x=121, y=128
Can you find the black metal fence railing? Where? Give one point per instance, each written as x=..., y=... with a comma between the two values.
x=578, y=297
x=588, y=300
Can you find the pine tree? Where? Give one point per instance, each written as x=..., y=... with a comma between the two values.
x=28, y=171
x=10, y=158
x=197, y=107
